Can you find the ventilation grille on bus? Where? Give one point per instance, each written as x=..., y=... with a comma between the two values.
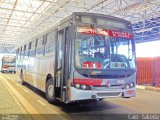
x=110, y=76
x=109, y=94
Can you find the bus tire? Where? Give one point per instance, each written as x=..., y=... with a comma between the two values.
x=49, y=91
x=22, y=80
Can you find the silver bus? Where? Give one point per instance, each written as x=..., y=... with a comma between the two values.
x=86, y=56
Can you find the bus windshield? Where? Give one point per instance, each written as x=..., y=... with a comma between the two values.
x=9, y=61
x=9, y=64
x=104, y=50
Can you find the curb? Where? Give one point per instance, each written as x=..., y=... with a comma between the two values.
x=140, y=87
x=150, y=88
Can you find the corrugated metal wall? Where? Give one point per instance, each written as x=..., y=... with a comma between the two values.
x=148, y=71
x=157, y=71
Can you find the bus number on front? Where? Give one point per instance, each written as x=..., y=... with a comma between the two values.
x=120, y=81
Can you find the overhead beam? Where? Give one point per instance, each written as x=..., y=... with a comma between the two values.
x=23, y=11
x=17, y=26
x=13, y=19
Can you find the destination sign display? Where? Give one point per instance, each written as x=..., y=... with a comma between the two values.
x=104, y=32
x=115, y=33
x=108, y=22
x=86, y=19
x=88, y=30
x=112, y=23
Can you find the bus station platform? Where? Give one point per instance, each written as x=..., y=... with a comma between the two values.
x=150, y=88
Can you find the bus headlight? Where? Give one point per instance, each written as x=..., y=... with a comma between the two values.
x=131, y=84
x=83, y=87
x=77, y=86
x=127, y=86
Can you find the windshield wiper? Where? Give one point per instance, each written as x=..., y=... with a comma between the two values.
x=100, y=38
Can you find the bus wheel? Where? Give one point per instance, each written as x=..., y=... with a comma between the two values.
x=50, y=94
x=22, y=80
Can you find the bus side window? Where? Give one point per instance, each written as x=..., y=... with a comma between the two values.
x=32, y=49
x=36, y=46
x=40, y=47
x=25, y=51
x=29, y=49
x=44, y=42
x=50, y=43
x=21, y=53
x=17, y=53
x=60, y=49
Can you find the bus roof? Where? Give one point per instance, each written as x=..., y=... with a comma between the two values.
x=100, y=15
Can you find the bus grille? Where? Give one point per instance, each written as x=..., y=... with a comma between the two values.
x=109, y=94
x=106, y=88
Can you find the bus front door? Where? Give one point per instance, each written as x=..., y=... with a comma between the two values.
x=62, y=63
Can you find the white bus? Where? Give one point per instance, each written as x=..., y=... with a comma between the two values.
x=8, y=64
x=87, y=56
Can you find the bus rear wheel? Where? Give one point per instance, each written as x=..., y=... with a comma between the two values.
x=50, y=93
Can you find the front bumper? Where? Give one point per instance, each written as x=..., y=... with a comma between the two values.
x=78, y=94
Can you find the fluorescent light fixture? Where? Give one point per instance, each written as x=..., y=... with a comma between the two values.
x=143, y=30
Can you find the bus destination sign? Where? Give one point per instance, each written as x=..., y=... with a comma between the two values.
x=102, y=21
x=112, y=23
x=105, y=32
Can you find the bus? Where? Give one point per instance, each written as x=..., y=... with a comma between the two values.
x=86, y=56
x=8, y=64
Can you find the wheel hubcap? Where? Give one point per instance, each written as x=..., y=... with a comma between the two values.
x=50, y=91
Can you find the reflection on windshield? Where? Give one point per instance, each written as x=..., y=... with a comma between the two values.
x=103, y=52
x=13, y=63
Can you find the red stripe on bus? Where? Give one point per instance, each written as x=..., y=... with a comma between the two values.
x=93, y=82
x=5, y=66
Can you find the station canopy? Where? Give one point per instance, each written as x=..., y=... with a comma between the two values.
x=21, y=20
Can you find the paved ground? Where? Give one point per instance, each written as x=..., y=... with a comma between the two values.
x=18, y=99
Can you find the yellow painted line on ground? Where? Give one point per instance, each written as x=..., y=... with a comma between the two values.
x=15, y=99
x=26, y=91
x=42, y=103
x=31, y=110
x=19, y=85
